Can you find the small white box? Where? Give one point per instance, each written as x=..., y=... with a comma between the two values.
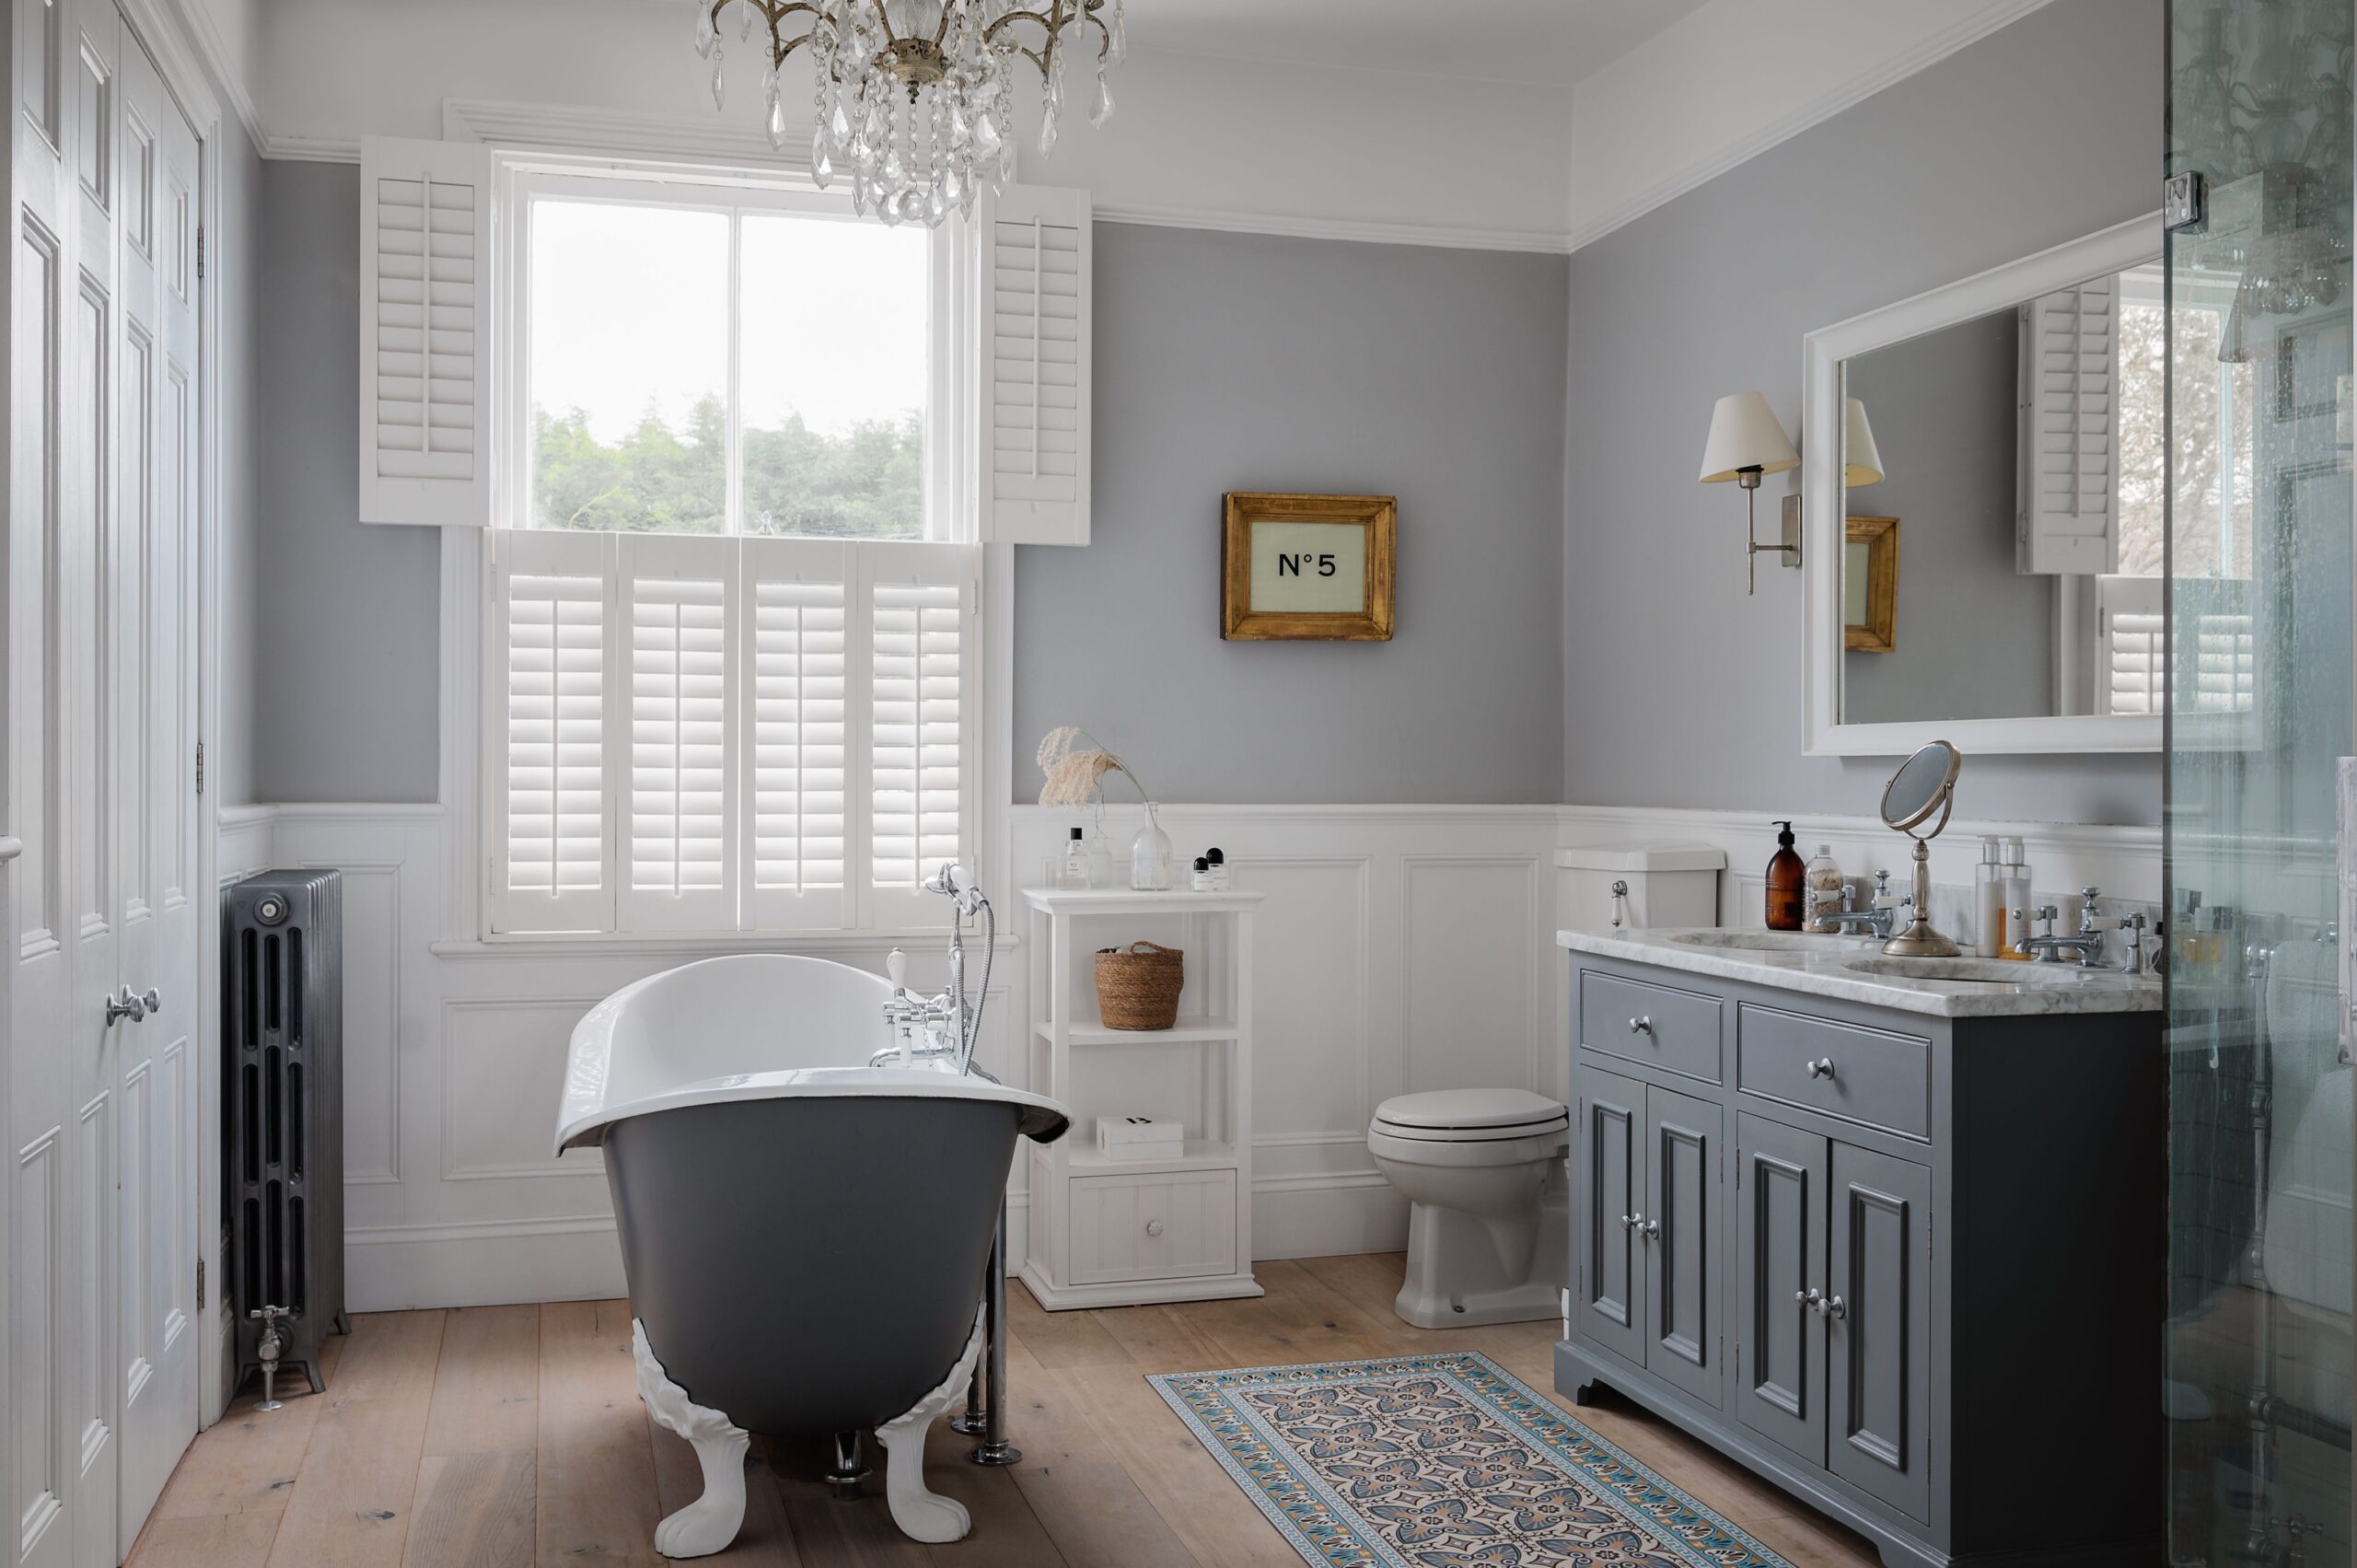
x=1139, y=1138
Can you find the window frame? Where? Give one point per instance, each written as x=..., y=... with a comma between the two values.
x=471, y=760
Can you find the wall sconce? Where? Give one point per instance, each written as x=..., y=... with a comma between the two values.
x=1747, y=444
x=1861, y=464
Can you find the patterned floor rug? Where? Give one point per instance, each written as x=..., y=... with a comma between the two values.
x=1442, y=1461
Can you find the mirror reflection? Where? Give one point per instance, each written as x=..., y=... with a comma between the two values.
x=2002, y=551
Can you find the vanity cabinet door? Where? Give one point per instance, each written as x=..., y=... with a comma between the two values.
x=1879, y=1342
x=1609, y=1149
x=1779, y=1257
x=1683, y=1256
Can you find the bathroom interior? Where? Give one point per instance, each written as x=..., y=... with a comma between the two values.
x=1179, y=781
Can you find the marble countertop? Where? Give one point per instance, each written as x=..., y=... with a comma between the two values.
x=1822, y=970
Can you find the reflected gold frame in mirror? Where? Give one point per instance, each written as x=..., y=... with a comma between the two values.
x=1879, y=633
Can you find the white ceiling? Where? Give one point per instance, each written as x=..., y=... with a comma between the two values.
x=1535, y=41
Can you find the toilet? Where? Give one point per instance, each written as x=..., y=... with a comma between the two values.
x=1482, y=1170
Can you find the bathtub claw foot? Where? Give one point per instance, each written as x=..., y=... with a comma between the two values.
x=712, y=1521
x=922, y=1515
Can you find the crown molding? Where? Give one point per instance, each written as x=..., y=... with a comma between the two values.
x=1154, y=215
x=1843, y=94
x=196, y=25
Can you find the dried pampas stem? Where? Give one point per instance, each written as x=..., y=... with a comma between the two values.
x=1077, y=774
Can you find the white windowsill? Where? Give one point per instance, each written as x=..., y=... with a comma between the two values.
x=640, y=944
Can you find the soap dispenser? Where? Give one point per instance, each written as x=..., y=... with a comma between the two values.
x=1787, y=885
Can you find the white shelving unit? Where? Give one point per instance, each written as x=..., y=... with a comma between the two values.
x=1123, y=1233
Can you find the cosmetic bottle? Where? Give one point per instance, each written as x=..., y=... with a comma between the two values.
x=1150, y=856
x=1989, y=938
x=2020, y=905
x=1201, y=880
x=1787, y=884
x=1219, y=868
x=1823, y=884
x=1076, y=860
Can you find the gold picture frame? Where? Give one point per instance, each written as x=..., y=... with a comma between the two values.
x=1870, y=586
x=1320, y=567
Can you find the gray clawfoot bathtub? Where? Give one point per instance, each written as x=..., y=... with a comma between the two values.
x=804, y=1236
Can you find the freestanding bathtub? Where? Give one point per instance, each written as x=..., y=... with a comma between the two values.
x=805, y=1236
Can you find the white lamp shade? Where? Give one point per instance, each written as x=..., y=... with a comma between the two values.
x=1861, y=463
x=1745, y=435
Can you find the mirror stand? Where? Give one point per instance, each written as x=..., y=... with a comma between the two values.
x=1919, y=940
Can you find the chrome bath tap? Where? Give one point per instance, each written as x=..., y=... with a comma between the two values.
x=949, y=1024
x=2088, y=941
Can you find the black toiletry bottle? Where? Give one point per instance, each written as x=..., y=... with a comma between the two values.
x=1787, y=879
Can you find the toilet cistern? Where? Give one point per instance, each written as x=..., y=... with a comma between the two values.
x=1922, y=789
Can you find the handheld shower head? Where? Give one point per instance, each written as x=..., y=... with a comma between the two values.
x=952, y=883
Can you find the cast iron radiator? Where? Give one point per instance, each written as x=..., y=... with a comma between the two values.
x=282, y=1113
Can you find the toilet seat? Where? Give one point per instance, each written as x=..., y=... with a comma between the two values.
x=1468, y=1116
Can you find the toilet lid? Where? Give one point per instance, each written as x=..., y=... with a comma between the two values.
x=1487, y=1112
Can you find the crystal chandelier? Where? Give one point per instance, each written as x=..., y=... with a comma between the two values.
x=914, y=99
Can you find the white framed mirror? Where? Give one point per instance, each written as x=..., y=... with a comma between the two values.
x=1982, y=475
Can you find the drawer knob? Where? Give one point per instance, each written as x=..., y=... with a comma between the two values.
x=1833, y=1307
x=1822, y=1068
x=1651, y=1230
x=1807, y=1299
x=1641, y=1026
x=1153, y=1227
x=1632, y=1222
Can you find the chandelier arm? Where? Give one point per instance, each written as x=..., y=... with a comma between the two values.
x=780, y=45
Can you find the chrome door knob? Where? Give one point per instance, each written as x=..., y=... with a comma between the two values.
x=152, y=999
x=1641, y=1026
x=123, y=1006
x=1153, y=1227
x=1822, y=1068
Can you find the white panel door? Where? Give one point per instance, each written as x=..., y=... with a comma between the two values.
x=153, y=573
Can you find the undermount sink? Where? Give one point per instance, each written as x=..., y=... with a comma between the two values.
x=1982, y=972
x=1768, y=941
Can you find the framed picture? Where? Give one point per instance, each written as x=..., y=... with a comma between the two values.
x=1870, y=586
x=1309, y=568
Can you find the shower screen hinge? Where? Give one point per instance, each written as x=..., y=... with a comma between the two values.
x=200, y=767
x=200, y=1285
x=200, y=253
x=2182, y=202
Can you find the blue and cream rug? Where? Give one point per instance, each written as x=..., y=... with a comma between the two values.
x=1442, y=1461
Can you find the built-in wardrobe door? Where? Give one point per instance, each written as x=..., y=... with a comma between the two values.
x=1683, y=1255
x=1780, y=1260
x=1878, y=1316
x=1609, y=1141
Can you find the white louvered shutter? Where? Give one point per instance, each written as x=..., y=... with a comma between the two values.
x=1033, y=317
x=2133, y=663
x=552, y=807
x=425, y=212
x=921, y=707
x=678, y=844
x=2069, y=431
x=795, y=600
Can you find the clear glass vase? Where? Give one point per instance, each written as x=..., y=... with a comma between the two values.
x=1150, y=856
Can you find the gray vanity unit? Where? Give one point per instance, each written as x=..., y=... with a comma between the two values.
x=1896, y=1244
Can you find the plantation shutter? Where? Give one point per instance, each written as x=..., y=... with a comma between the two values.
x=2069, y=431
x=1033, y=318
x=679, y=822
x=2133, y=662
x=921, y=706
x=425, y=332
x=552, y=801
x=796, y=599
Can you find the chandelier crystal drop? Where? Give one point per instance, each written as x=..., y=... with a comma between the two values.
x=913, y=100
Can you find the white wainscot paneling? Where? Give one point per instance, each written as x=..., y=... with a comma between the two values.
x=501, y=1056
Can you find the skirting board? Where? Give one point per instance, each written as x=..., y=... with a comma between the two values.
x=1071, y=1298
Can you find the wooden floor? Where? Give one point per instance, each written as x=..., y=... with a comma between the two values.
x=502, y=1436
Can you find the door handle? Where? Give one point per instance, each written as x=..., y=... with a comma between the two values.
x=152, y=1000
x=126, y=1005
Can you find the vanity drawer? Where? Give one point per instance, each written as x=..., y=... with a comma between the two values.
x=1639, y=1021
x=1875, y=1076
x=1152, y=1226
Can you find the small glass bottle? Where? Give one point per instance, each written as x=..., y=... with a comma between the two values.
x=1990, y=938
x=2020, y=901
x=1201, y=881
x=1219, y=868
x=1150, y=856
x=1075, y=873
x=1823, y=894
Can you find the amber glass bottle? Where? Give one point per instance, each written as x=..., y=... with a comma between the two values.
x=1787, y=879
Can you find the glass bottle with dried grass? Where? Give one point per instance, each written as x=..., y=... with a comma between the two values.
x=1075, y=766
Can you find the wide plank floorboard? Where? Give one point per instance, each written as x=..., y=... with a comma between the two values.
x=513, y=1437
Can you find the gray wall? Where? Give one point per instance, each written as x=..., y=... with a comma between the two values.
x=233, y=258
x=347, y=677
x=1679, y=691
x=1224, y=361
x=1975, y=636
x=1245, y=362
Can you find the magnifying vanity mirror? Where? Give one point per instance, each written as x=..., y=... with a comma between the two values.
x=1983, y=478
x=1923, y=789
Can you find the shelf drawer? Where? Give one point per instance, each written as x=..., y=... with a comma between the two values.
x=1875, y=1076
x=1151, y=1228
x=1639, y=1021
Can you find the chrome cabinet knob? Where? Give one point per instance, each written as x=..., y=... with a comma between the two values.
x=1153, y=1227
x=1633, y=1222
x=1822, y=1068
x=1651, y=1230
x=1832, y=1307
x=1641, y=1026
x=123, y=1006
x=1807, y=1299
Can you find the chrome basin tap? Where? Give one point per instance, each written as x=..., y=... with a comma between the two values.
x=2088, y=943
x=1874, y=921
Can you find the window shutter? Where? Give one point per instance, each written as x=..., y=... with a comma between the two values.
x=2069, y=431
x=425, y=332
x=1033, y=315
x=678, y=829
x=920, y=707
x=552, y=801
x=796, y=601
x=2134, y=665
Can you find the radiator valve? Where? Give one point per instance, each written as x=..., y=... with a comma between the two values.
x=273, y=1343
